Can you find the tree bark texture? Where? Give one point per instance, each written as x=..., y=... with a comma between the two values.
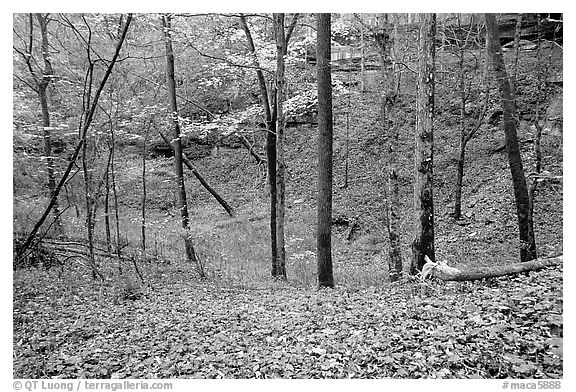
x=444, y=272
x=280, y=163
x=423, y=242
x=177, y=147
x=324, y=201
x=525, y=226
x=384, y=36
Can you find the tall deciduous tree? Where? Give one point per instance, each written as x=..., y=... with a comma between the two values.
x=177, y=145
x=268, y=102
x=281, y=49
x=324, y=203
x=423, y=242
x=271, y=105
x=385, y=37
x=282, y=39
x=525, y=226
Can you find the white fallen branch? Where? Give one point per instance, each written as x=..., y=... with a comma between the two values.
x=445, y=272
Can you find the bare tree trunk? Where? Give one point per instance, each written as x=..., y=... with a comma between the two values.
x=84, y=129
x=463, y=131
x=514, y=78
x=144, y=195
x=393, y=83
x=269, y=105
x=324, y=202
x=107, y=213
x=88, y=195
x=177, y=145
x=423, y=243
x=348, y=109
x=47, y=76
x=362, y=59
x=112, y=147
x=280, y=164
x=525, y=226
x=271, y=156
x=143, y=203
x=384, y=37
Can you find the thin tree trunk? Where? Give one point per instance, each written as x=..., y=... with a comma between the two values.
x=362, y=59
x=88, y=195
x=271, y=155
x=347, y=142
x=423, y=243
x=392, y=75
x=280, y=163
x=525, y=226
x=396, y=54
x=177, y=146
x=463, y=131
x=107, y=213
x=84, y=129
x=270, y=114
x=115, y=197
x=144, y=192
x=514, y=78
x=324, y=202
x=47, y=76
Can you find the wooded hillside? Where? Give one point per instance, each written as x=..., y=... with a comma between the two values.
x=183, y=183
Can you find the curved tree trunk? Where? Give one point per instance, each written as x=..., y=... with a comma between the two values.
x=525, y=226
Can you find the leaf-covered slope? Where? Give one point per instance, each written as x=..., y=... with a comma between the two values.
x=510, y=328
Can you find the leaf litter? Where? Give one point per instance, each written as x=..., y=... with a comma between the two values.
x=501, y=328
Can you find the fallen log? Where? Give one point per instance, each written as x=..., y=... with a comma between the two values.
x=444, y=272
x=204, y=183
x=251, y=149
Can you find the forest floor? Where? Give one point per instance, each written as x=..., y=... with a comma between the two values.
x=240, y=323
x=176, y=327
